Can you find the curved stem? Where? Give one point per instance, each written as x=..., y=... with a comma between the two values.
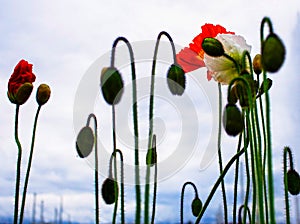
x=135, y=125
x=268, y=21
x=18, y=171
x=29, y=165
x=245, y=210
x=286, y=151
x=234, y=62
x=151, y=106
x=220, y=154
x=182, y=197
x=97, y=217
x=122, y=184
x=215, y=187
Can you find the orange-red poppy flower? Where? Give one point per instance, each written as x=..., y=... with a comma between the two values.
x=191, y=58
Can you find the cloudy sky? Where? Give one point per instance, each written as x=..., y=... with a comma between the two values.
x=68, y=43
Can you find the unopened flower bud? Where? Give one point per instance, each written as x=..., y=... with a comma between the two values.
x=43, y=94
x=85, y=142
x=212, y=47
x=273, y=53
x=108, y=191
x=257, y=66
x=293, y=180
x=176, y=79
x=233, y=120
x=23, y=93
x=151, y=157
x=196, y=206
x=111, y=85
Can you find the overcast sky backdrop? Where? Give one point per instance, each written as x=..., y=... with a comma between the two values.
x=68, y=43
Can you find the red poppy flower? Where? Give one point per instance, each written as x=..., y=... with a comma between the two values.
x=191, y=58
x=22, y=75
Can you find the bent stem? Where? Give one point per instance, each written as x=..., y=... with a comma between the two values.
x=268, y=131
x=18, y=171
x=29, y=165
x=182, y=197
x=151, y=106
x=97, y=217
x=215, y=187
x=135, y=124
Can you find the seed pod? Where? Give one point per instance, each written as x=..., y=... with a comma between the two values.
x=273, y=53
x=212, y=47
x=111, y=85
x=196, y=206
x=257, y=66
x=232, y=120
x=176, y=79
x=108, y=191
x=293, y=180
x=23, y=93
x=43, y=94
x=85, y=142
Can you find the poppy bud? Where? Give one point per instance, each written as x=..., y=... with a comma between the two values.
x=213, y=47
x=176, y=79
x=242, y=89
x=273, y=53
x=108, y=191
x=232, y=120
x=43, y=94
x=196, y=206
x=111, y=85
x=23, y=93
x=265, y=86
x=151, y=157
x=257, y=66
x=293, y=181
x=85, y=142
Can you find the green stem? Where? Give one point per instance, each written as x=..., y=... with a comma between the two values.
x=236, y=181
x=220, y=155
x=122, y=184
x=135, y=125
x=97, y=217
x=29, y=165
x=216, y=185
x=154, y=194
x=245, y=211
x=248, y=181
x=115, y=161
x=18, y=171
x=264, y=154
x=268, y=131
x=182, y=197
x=286, y=151
x=151, y=106
x=234, y=62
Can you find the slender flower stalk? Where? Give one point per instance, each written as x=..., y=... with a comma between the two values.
x=19, y=160
x=97, y=216
x=151, y=107
x=236, y=175
x=268, y=132
x=287, y=152
x=135, y=123
x=246, y=211
x=216, y=185
x=182, y=197
x=220, y=156
x=29, y=165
